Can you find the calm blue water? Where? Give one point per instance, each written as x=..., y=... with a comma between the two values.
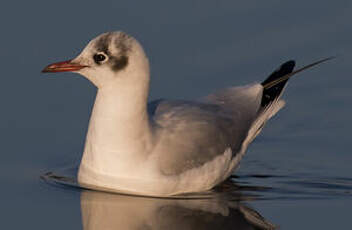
x=297, y=173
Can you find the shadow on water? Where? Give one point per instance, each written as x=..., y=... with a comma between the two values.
x=224, y=207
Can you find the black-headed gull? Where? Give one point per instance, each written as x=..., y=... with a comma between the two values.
x=164, y=147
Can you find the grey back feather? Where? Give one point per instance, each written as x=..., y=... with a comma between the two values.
x=194, y=133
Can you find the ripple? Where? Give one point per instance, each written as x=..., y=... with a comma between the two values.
x=240, y=187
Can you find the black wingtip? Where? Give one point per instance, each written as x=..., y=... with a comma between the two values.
x=275, y=83
x=284, y=69
x=288, y=66
x=270, y=94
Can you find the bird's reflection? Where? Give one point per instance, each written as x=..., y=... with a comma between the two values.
x=104, y=211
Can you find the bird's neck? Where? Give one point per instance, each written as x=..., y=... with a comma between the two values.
x=119, y=134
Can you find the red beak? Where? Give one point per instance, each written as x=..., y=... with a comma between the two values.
x=65, y=66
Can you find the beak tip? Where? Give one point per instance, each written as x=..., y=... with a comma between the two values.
x=45, y=70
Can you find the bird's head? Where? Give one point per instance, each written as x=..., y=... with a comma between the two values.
x=112, y=57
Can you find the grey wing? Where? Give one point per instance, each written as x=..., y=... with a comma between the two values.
x=194, y=133
x=245, y=99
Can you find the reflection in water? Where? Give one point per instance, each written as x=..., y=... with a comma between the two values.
x=104, y=211
x=221, y=208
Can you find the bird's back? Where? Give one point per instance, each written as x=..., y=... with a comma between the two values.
x=191, y=134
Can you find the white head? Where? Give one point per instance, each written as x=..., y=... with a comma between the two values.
x=112, y=58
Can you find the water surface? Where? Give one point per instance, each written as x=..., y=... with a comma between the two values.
x=296, y=174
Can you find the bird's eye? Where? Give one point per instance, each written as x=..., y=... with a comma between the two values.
x=99, y=58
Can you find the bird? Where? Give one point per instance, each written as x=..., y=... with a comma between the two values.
x=164, y=147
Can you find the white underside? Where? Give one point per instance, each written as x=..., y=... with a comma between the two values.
x=146, y=179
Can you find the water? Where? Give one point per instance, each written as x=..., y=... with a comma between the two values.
x=296, y=174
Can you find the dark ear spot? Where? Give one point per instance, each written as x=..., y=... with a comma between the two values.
x=119, y=63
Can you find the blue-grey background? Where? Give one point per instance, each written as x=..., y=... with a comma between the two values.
x=195, y=47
